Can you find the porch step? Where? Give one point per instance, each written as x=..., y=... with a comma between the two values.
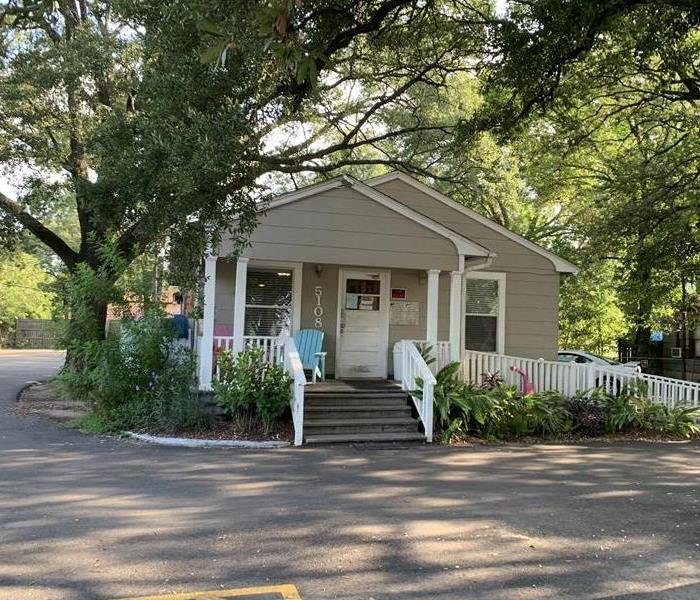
x=351, y=400
x=334, y=438
x=358, y=411
x=359, y=426
x=350, y=412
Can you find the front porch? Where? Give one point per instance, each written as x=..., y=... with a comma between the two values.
x=362, y=312
x=369, y=317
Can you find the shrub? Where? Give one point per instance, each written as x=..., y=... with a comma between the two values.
x=681, y=421
x=138, y=379
x=251, y=390
x=499, y=411
x=634, y=411
x=544, y=414
x=588, y=414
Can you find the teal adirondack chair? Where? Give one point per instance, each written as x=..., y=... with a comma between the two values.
x=309, y=343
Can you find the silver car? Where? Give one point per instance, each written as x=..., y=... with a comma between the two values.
x=582, y=357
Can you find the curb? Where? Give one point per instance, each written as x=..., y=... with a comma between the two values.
x=25, y=386
x=196, y=443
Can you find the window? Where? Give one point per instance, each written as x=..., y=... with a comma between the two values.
x=483, y=326
x=362, y=294
x=268, y=302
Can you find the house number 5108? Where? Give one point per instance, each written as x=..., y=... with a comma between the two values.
x=318, y=309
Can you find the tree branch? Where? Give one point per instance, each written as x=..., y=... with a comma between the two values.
x=38, y=229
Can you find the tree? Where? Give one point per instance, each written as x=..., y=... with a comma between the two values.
x=24, y=290
x=159, y=119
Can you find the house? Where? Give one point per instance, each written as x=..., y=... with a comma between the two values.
x=372, y=263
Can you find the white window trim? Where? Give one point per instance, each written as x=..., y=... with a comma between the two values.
x=500, y=319
x=297, y=270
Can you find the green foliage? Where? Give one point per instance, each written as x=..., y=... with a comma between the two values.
x=590, y=316
x=139, y=378
x=24, y=291
x=633, y=411
x=498, y=411
x=501, y=412
x=426, y=352
x=251, y=390
x=545, y=414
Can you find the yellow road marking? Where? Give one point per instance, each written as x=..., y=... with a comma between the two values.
x=287, y=592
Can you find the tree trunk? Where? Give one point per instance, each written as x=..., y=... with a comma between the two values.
x=642, y=332
x=91, y=326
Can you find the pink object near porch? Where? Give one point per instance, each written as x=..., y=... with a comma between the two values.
x=526, y=385
x=223, y=330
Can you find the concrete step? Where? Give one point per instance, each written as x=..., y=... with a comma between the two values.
x=334, y=438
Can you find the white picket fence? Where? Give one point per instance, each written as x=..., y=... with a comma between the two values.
x=570, y=378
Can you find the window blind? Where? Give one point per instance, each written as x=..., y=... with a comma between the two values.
x=481, y=315
x=268, y=302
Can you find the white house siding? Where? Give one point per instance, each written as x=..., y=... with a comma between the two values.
x=532, y=283
x=342, y=226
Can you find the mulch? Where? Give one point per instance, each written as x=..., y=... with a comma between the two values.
x=223, y=428
x=41, y=399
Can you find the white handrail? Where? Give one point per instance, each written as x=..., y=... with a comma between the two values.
x=293, y=366
x=441, y=352
x=412, y=367
x=571, y=378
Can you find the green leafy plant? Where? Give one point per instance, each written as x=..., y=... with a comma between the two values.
x=251, y=390
x=446, y=393
x=426, y=352
x=138, y=378
x=682, y=421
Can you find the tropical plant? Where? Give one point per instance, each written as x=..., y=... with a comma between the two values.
x=490, y=380
x=447, y=393
x=682, y=421
x=588, y=413
x=426, y=352
x=544, y=414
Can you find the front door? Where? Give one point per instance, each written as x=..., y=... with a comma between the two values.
x=363, y=335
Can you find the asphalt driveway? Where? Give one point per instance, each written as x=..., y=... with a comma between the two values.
x=83, y=517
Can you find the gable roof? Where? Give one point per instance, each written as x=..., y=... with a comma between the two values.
x=463, y=245
x=561, y=265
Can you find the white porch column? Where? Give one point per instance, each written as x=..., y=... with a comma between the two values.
x=206, y=346
x=239, y=304
x=431, y=308
x=455, y=316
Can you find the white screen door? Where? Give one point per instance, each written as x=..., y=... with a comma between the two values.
x=364, y=324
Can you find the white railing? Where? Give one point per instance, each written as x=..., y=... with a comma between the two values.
x=570, y=378
x=441, y=352
x=223, y=342
x=412, y=367
x=272, y=351
x=293, y=366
